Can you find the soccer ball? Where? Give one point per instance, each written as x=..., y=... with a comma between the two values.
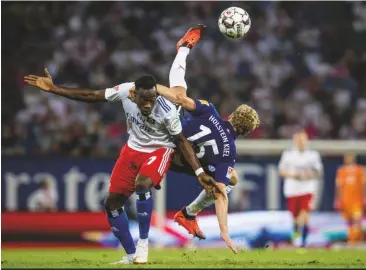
x=234, y=22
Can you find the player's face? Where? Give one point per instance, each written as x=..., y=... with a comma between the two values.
x=349, y=158
x=145, y=100
x=301, y=140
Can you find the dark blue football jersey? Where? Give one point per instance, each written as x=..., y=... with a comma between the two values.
x=213, y=139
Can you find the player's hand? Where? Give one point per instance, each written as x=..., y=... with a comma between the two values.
x=309, y=174
x=229, y=242
x=132, y=94
x=209, y=184
x=45, y=83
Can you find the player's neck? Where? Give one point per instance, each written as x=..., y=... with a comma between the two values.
x=236, y=133
x=350, y=164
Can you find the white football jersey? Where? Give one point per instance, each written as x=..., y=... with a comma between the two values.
x=147, y=133
x=295, y=161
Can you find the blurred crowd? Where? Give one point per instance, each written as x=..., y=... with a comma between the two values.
x=303, y=64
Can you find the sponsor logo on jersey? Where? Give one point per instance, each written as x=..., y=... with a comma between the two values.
x=116, y=88
x=229, y=172
x=174, y=123
x=204, y=102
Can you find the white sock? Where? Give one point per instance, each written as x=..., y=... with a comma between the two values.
x=178, y=69
x=143, y=242
x=203, y=201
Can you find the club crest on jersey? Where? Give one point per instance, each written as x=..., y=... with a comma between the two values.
x=229, y=172
x=174, y=123
x=211, y=168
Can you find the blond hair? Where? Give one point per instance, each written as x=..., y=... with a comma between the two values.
x=244, y=120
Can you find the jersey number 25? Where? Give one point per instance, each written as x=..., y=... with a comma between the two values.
x=210, y=143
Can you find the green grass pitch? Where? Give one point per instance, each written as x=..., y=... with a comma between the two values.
x=179, y=258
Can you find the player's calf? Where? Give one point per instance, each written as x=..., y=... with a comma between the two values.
x=144, y=205
x=118, y=221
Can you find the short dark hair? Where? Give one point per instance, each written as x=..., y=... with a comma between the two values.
x=145, y=82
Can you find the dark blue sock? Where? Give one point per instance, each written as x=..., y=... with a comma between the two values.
x=305, y=232
x=144, y=205
x=119, y=224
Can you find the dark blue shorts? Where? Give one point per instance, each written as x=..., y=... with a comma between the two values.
x=220, y=172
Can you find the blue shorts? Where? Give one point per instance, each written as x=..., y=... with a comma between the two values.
x=220, y=172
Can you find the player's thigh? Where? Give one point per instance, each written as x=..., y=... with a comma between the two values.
x=305, y=202
x=124, y=173
x=292, y=205
x=156, y=164
x=353, y=213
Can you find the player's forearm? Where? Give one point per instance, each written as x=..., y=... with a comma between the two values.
x=337, y=194
x=168, y=93
x=221, y=206
x=187, y=151
x=287, y=174
x=79, y=94
x=178, y=96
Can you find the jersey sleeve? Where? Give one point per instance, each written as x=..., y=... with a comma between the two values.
x=283, y=161
x=317, y=165
x=339, y=177
x=119, y=92
x=172, y=121
x=203, y=107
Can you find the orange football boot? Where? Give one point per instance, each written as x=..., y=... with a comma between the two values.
x=192, y=36
x=190, y=225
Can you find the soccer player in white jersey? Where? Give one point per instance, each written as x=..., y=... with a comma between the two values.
x=155, y=130
x=301, y=168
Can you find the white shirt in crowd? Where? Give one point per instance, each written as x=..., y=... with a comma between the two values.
x=295, y=161
x=147, y=133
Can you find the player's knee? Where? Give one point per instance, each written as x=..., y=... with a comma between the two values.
x=233, y=181
x=234, y=178
x=143, y=183
x=222, y=191
x=114, y=201
x=303, y=216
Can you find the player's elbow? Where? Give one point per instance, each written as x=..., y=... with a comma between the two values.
x=283, y=173
x=180, y=99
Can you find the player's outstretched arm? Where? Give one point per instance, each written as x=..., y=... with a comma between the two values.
x=221, y=206
x=177, y=97
x=205, y=180
x=46, y=84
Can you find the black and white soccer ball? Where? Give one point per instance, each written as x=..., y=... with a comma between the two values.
x=234, y=23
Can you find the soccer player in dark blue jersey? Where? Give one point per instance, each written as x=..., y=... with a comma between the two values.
x=213, y=138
